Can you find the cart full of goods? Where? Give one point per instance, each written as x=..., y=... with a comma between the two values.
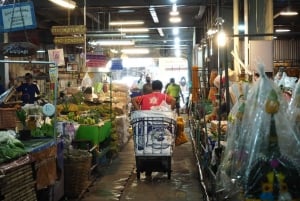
x=154, y=140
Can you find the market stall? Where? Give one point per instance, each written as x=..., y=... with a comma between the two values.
x=40, y=150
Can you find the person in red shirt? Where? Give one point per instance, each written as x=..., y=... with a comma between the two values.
x=145, y=102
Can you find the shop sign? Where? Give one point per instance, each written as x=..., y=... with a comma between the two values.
x=68, y=30
x=69, y=40
x=95, y=60
x=18, y=16
x=18, y=49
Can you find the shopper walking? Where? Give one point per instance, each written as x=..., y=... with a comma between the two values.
x=147, y=87
x=174, y=90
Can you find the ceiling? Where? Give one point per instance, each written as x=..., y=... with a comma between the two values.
x=196, y=16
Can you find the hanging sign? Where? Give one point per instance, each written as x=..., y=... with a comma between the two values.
x=18, y=16
x=18, y=49
x=57, y=56
x=69, y=40
x=68, y=30
x=96, y=60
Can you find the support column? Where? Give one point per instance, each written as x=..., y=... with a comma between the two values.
x=261, y=18
x=236, y=43
x=261, y=23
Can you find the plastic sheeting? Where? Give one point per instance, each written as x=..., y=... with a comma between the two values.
x=294, y=108
x=262, y=158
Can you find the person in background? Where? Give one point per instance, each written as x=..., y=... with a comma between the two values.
x=137, y=86
x=165, y=91
x=28, y=90
x=147, y=87
x=174, y=90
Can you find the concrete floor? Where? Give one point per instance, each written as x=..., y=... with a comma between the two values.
x=118, y=180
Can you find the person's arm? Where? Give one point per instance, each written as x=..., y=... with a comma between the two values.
x=37, y=91
x=135, y=103
x=181, y=95
x=167, y=90
x=171, y=101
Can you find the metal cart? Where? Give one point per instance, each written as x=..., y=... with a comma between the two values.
x=154, y=137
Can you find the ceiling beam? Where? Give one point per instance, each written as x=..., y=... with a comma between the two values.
x=142, y=3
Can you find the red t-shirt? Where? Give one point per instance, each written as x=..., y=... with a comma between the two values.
x=154, y=99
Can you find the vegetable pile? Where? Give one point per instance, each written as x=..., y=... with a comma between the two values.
x=10, y=147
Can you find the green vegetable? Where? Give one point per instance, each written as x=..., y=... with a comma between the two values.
x=21, y=114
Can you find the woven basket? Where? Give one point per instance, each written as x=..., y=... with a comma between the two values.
x=8, y=118
x=77, y=172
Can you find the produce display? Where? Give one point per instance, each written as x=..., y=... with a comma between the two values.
x=46, y=130
x=10, y=146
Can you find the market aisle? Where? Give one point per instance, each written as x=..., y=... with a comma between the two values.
x=118, y=181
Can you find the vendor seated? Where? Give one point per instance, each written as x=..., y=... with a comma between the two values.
x=28, y=90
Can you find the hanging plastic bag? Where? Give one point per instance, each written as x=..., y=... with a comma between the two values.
x=86, y=81
x=265, y=157
x=293, y=111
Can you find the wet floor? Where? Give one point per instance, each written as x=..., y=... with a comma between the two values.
x=118, y=181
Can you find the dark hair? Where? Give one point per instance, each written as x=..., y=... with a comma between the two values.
x=172, y=80
x=28, y=76
x=157, y=85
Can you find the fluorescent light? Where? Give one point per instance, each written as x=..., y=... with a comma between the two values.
x=288, y=13
x=153, y=14
x=137, y=36
x=133, y=30
x=160, y=31
x=105, y=35
x=41, y=51
x=112, y=42
x=118, y=23
x=174, y=11
x=175, y=19
x=282, y=30
x=136, y=51
x=65, y=3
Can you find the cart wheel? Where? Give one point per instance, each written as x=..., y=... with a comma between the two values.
x=138, y=175
x=169, y=175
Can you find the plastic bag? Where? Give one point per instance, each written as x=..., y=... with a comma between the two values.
x=265, y=157
x=293, y=111
x=181, y=137
x=86, y=81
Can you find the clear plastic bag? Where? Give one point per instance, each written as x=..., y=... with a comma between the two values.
x=265, y=156
x=293, y=111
